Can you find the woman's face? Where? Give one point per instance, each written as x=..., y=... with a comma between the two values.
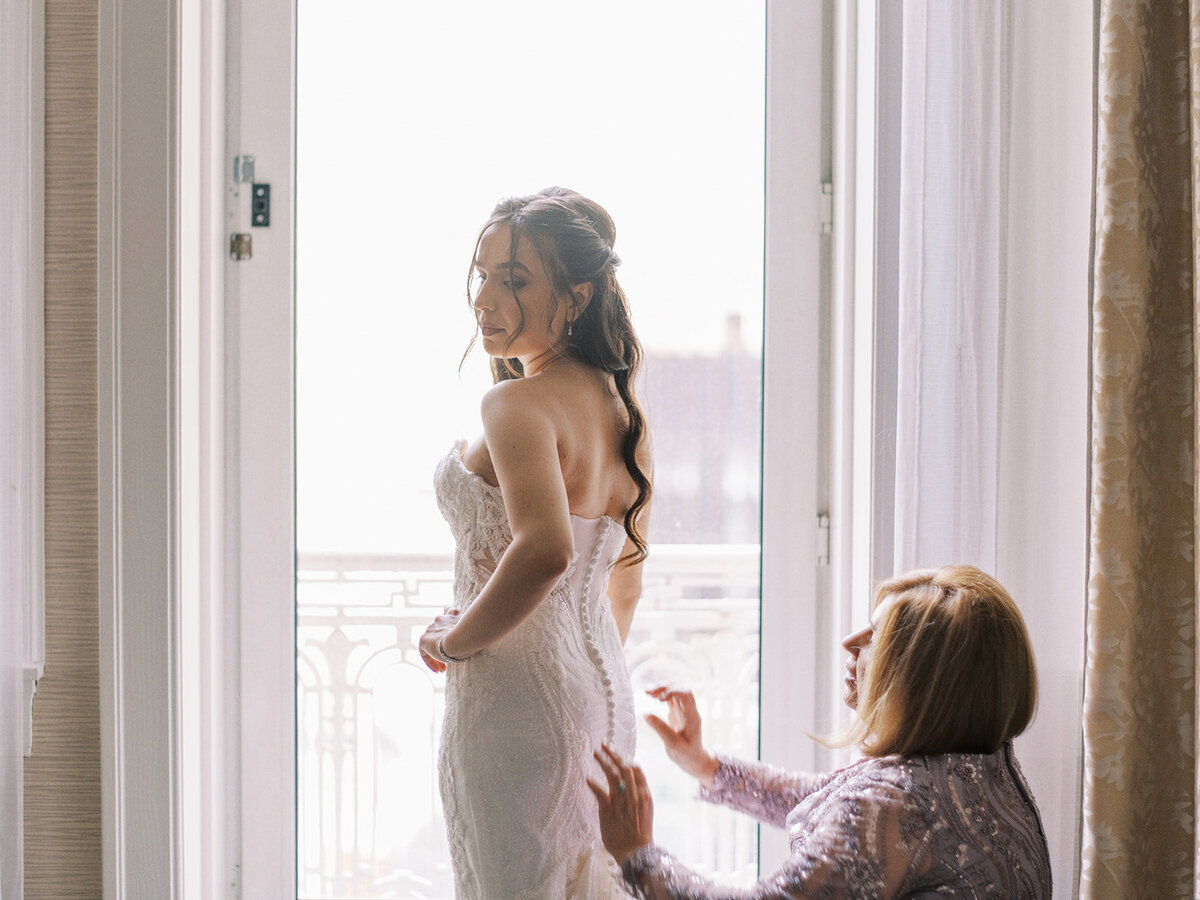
x=859, y=646
x=496, y=277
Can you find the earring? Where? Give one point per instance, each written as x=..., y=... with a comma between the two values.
x=570, y=329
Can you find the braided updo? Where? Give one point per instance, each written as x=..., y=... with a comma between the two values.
x=574, y=237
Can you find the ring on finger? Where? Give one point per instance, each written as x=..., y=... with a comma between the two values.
x=621, y=785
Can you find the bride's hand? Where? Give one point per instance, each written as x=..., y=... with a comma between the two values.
x=681, y=735
x=428, y=644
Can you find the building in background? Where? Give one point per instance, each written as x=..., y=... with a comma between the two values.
x=706, y=490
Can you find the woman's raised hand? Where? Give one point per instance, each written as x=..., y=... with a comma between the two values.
x=626, y=808
x=437, y=629
x=681, y=733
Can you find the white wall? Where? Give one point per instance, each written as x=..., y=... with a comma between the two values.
x=1042, y=527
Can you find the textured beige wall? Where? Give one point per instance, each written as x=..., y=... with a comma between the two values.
x=62, y=778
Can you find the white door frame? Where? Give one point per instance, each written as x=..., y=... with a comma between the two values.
x=191, y=540
x=138, y=289
x=184, y=804
x=792, y=576
x=260, y=436
x=196, y=454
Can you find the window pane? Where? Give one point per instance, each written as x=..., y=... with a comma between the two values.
x=413, y=119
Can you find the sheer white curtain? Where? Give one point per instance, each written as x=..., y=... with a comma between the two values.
x=20, y=414
x=992, y=171
x=952, y=223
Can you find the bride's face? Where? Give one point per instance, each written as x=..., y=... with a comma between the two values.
x=514, y=300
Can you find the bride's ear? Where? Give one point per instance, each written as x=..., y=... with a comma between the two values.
x=581, y=296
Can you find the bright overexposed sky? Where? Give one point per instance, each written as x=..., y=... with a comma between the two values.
x=413, y=119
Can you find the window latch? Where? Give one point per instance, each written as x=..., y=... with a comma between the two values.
x=826, y=207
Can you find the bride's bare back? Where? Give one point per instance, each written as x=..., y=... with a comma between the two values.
x=589, y=423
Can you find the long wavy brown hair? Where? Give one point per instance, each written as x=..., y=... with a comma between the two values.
x=573, y=237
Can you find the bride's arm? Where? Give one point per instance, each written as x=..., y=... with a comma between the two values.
x=523, y=446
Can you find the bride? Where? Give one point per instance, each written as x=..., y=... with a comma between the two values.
x=547, y=509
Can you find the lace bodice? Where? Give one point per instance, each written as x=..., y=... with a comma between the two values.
x=524, y=715
x=949, y=825
x=474, y=510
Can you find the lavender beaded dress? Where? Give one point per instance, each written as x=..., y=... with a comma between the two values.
x=939, y=826
x=524, y=715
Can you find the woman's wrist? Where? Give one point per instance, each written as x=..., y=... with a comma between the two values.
x=708, y=772
x=445, y=655
x=628, y=853
x=636, y=864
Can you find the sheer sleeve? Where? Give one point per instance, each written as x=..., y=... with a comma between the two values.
x=867, y=843
x=760, y=790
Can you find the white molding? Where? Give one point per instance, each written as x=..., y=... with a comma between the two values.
x=794, y=582
x=35, y=435
x=861, y=305
x=190, y=809
x=206, y=683
x=22, y=403
x=841, y=346
x=792, y=374
x=260, y=440
x=22, y=427
x=31, y=674
x=138, y=258
x=23, y=353
x=169, y=697
x=852, y=388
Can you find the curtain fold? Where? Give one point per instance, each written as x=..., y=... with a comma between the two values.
x=1139, y=811
x=952, y=230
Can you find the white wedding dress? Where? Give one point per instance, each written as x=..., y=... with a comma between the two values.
x=524, y=715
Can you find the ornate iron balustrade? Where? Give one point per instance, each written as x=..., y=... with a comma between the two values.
x=370, y=713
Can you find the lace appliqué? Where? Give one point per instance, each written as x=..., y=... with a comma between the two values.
x=524, y=715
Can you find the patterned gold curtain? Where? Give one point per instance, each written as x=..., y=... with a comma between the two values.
x=1139, y=806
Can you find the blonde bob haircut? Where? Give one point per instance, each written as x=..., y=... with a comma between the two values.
x=951, y=669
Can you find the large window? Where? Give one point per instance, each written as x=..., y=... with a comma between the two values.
x=197, y=560
x=412, y=122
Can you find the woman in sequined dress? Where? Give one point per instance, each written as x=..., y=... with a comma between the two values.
x=547, y=508
x=941, y=680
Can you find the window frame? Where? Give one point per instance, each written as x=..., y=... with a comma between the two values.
x=22, y=409
x=196, y=457
x=23, y=359
x=796, y=298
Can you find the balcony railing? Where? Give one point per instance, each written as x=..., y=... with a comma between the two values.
x=370, y=713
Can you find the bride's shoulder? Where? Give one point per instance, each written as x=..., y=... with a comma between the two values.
x=519, y=402
x=513, y=392
x=565, y=383
x=557, y=396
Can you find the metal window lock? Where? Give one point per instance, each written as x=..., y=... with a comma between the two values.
x=260, y=205
x=241, y=245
